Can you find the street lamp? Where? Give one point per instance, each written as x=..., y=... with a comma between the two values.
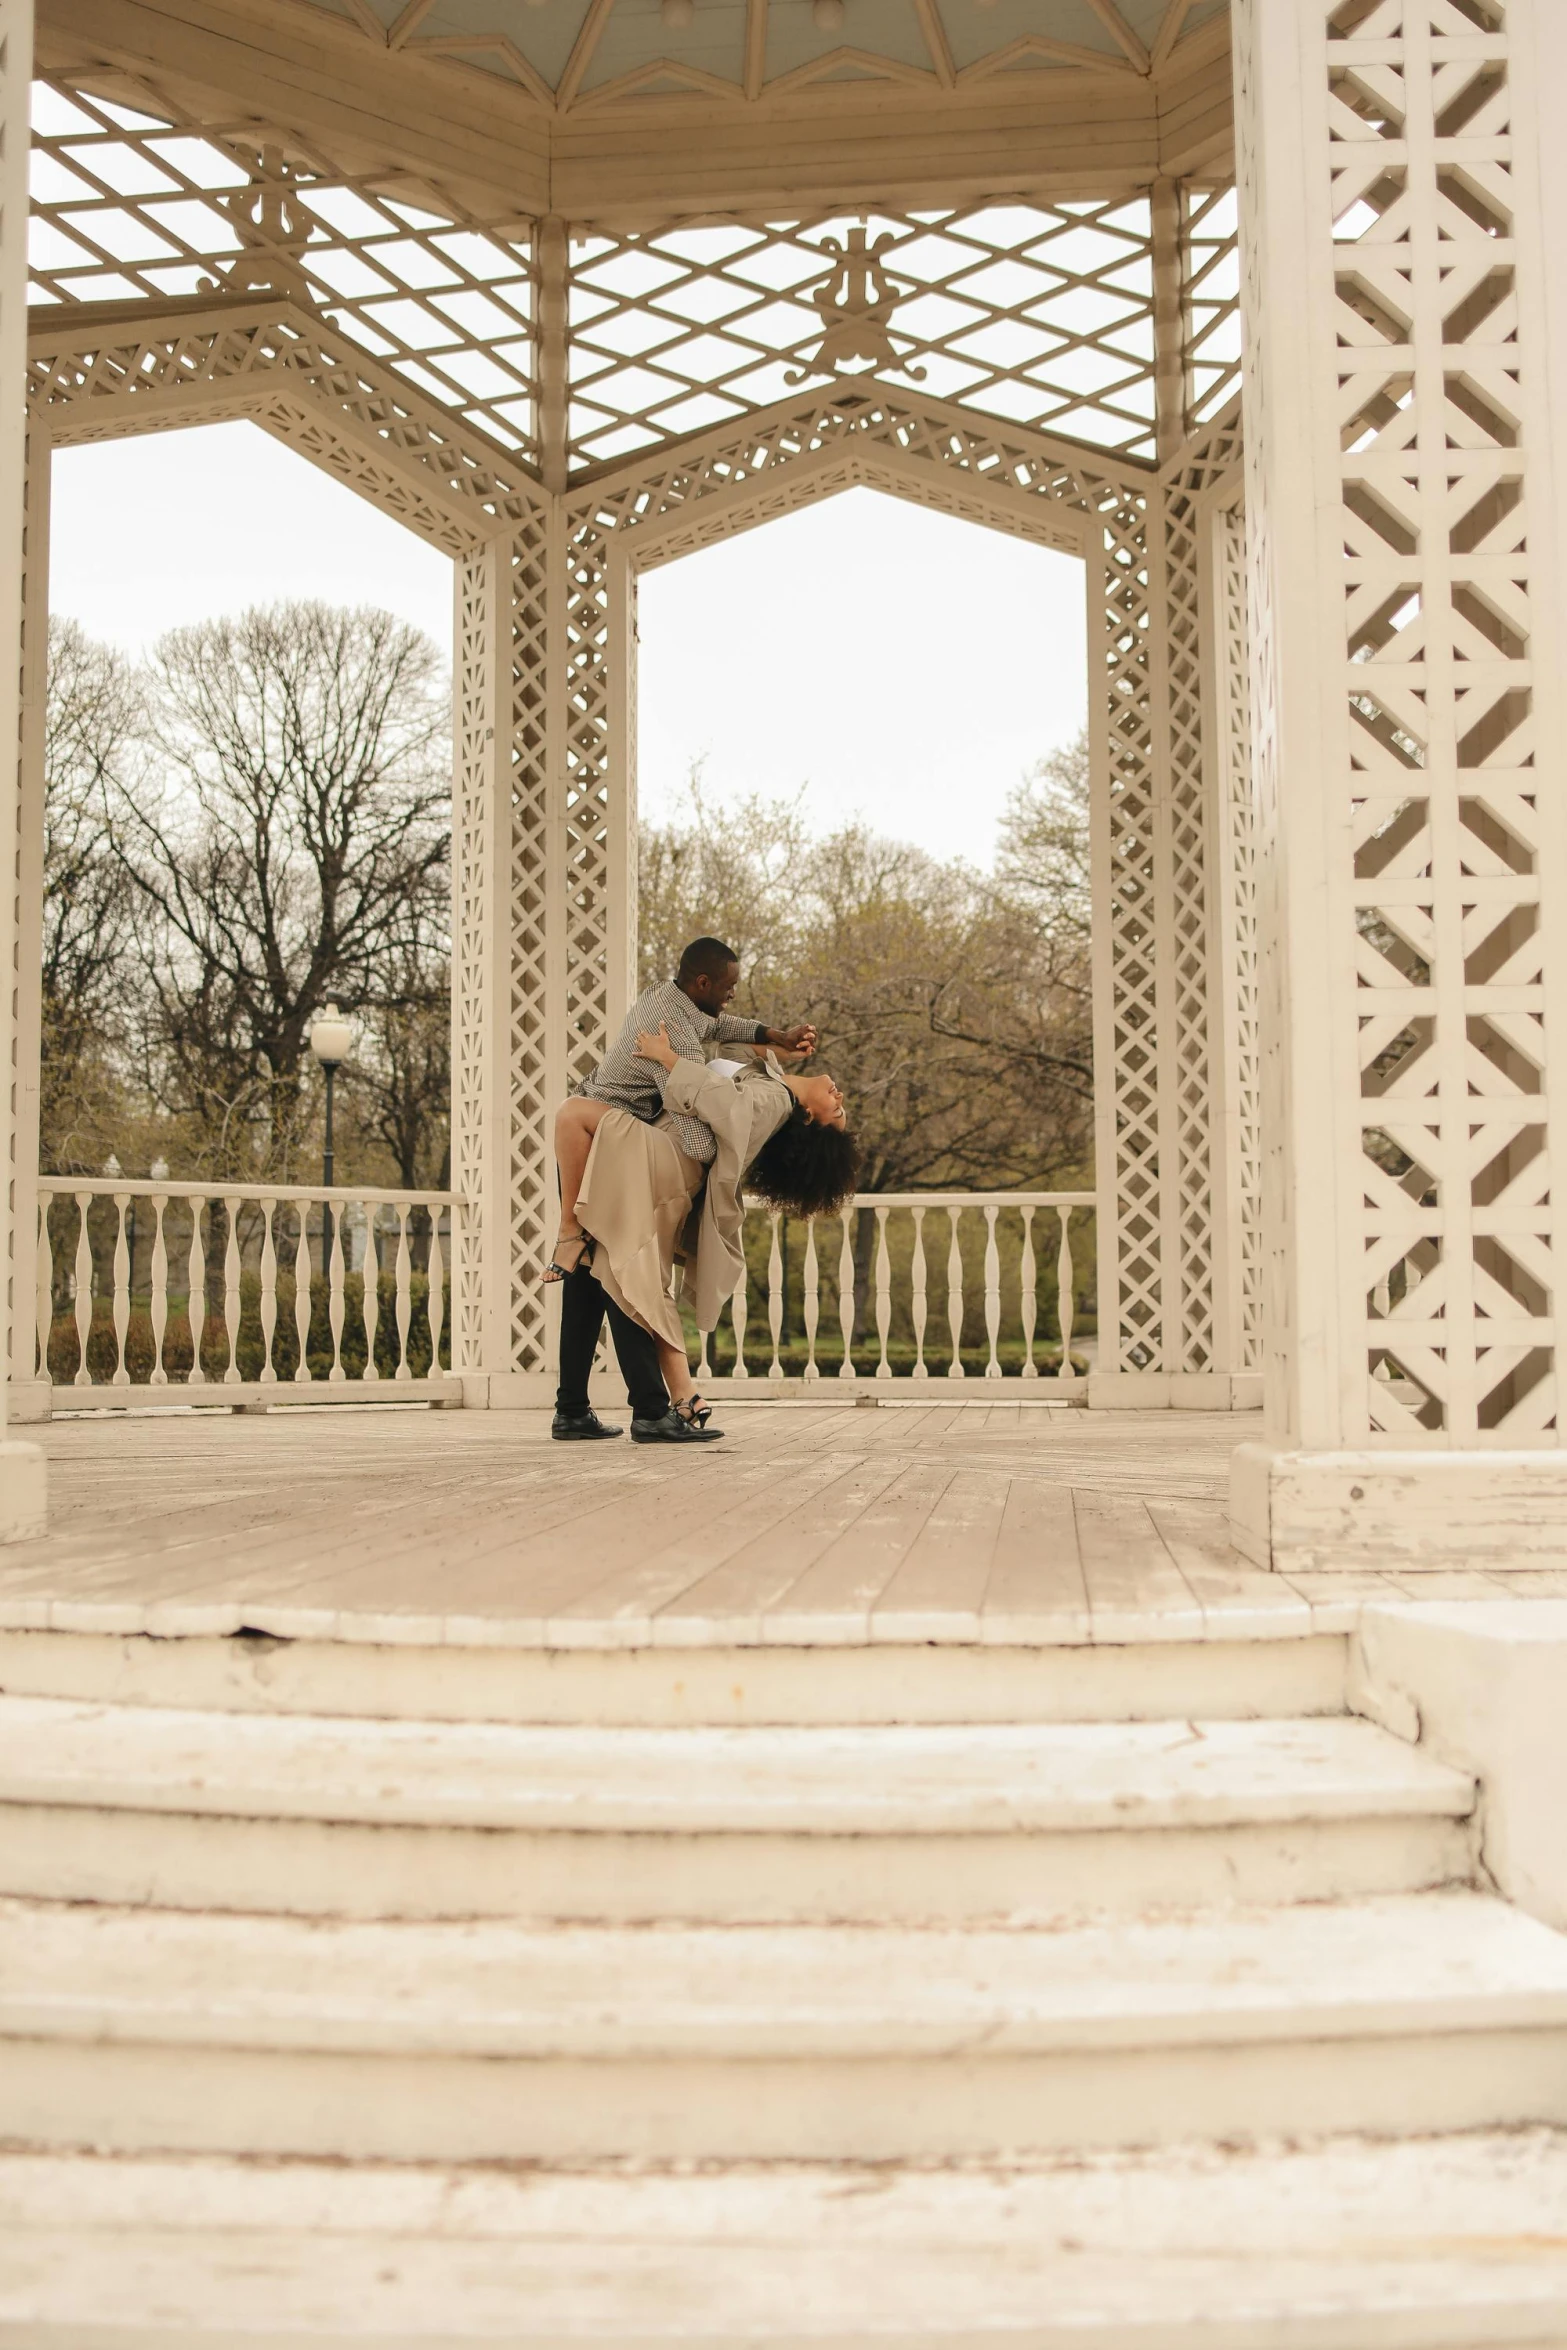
x=331, y=1040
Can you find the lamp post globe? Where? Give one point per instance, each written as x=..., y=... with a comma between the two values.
x=331, y=1040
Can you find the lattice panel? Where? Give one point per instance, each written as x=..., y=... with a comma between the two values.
x=1238, y=850
x=535, y=897
x=1459, y=1268
x=1185, y=911
x=729, y=483
x=1039, y=315
x=131, y=201
x=472, y=888
x=287, y=370
x=1211, y=296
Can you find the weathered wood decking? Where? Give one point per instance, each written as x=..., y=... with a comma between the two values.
x=935, y=1522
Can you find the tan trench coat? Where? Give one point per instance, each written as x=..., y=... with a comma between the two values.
x=742, y=1111
x=639, y=1196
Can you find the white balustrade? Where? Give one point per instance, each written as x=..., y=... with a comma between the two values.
x=222, y=1236
x=899, y=1283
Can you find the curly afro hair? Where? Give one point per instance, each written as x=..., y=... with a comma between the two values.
x=805, y=1168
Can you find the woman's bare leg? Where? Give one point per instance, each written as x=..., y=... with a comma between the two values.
x=675, y=1364
x=576, y=1123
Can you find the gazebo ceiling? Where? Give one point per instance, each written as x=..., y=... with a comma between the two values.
x=635, y=111
x=567, y=52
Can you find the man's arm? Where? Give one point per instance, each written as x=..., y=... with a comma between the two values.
x=730, y=1030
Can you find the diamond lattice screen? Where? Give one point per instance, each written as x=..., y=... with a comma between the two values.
x=1038, y=315
x=1458, y=1268
x=1212, y=301
x=129, y=202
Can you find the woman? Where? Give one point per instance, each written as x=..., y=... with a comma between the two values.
x=786, y=1138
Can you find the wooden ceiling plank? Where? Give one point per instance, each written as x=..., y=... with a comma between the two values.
x=755, y=48
x=1116, y=25
x=368, y=22
x=890, y=69
x=582, y=51
x=1170, y=30
x=223, y=62
x=408, y=22
x=625, y=85
x=1094, y=61
x=459, y=51
x=936, y=42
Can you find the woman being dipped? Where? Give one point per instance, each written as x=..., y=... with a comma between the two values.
x=642, y=1199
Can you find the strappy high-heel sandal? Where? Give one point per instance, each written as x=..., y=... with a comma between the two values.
x=555, y=1272
x=694, y=1411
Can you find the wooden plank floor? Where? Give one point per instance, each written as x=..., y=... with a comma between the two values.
x=928, y=1522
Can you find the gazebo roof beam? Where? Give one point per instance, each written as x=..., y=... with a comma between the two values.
x=498, y=147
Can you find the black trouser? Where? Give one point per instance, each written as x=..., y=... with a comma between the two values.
x=583, y=1306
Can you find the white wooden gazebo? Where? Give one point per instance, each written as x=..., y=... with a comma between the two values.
x=574, y=287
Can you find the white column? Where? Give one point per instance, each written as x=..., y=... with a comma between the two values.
x=1399, y=161
x=22, y=1488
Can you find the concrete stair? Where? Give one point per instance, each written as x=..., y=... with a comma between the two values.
x=1353, y=2244
x=810, y=2026
x=371, y=1819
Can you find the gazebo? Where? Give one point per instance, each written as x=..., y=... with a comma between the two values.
x=1248, y=307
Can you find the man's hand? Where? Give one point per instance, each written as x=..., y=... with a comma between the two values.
x=792, y=1040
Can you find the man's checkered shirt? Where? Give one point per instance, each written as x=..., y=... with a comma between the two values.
x=637, y=1086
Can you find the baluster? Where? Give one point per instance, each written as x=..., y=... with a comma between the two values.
x=775, y=1296
x=44, y=1300
x=811, y=1301
x=122, y=1290
x=404, y=1290
x=846, y=1292
x=83, y=1288
x=371, y=1290
x=1028, y=1301
x=883, y=1292
x=992, y=1293
x=436, y=1293
x=955, y=1368
x=158, y=1305
x=231, y=1290
x=196, y=1299
x=704, y=1369
x=921, y=1367
x=740, y=1315
x=302, y=1289
x=1065, y=1301
x=268, y=1292
x=335, y=1293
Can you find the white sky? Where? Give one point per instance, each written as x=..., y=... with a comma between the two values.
x=901, y=665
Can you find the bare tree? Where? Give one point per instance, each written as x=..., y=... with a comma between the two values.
x=92, y=733
x=400, y=1080
x=294, y=851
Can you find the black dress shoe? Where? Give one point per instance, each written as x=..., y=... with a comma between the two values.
x=672, y=1429
x=579, y=1428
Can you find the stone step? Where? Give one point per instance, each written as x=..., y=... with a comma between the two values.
x=1349, y=2244
x=386, y=1668
x=365, y=1819
x=136, y=2030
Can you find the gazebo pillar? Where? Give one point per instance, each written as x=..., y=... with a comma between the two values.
x=1398, y=163
x=21, y=1465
